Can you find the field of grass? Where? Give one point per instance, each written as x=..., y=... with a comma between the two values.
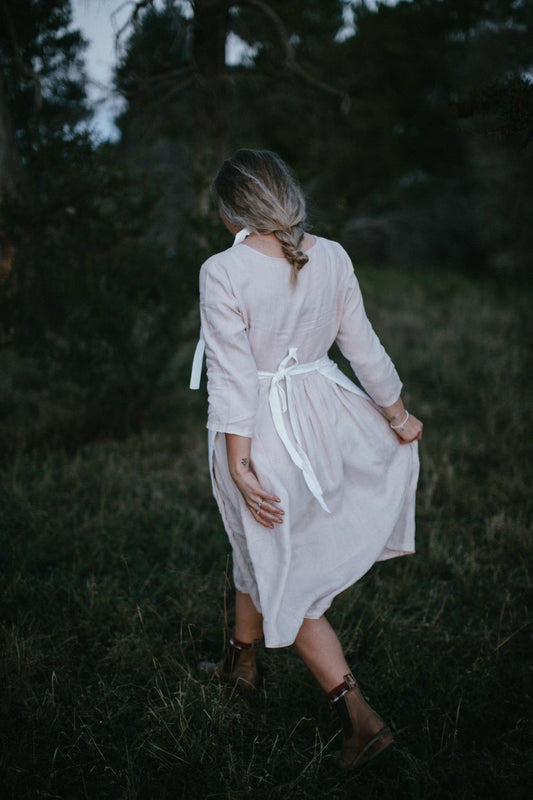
x=116, y=584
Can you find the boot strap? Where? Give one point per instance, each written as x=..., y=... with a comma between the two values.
x=350, y=681
x=349, y=684
x=243, y=646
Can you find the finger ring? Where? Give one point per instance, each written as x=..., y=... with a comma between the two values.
x=259, y=505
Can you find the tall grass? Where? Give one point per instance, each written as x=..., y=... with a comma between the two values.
x=116, y=584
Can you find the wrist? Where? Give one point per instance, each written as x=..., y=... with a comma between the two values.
x=396, y=411
x=239, y=468
x=394, y=415
x=399, y=425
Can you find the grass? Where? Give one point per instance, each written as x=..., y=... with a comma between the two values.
x=116, y=584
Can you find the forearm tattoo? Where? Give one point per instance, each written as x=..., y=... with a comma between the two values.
x=244, y=462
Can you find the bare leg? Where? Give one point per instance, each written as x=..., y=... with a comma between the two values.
x=248, y=620
x=319, y=648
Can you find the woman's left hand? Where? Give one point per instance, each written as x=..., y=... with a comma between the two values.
x=412, y=431
x=406, y=427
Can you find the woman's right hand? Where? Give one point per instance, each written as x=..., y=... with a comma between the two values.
x=260, y=502
x=262, y=505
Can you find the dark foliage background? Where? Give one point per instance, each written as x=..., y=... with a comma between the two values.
x=408, y=125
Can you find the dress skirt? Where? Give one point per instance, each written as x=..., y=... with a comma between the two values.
x=368, y=478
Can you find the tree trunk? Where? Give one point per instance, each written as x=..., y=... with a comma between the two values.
x=210, y=101
x=9, y=177
x=9, y=159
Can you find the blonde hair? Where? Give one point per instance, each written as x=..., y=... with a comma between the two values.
x=254, y=189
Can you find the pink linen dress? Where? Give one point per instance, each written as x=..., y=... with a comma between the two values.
x=318, y=442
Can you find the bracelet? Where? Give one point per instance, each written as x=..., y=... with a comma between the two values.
x=401, y=426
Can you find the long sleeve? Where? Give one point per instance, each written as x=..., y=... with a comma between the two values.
x=360, y=345
x=232, y=382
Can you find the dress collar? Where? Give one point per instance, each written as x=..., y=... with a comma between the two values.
x=241, y=236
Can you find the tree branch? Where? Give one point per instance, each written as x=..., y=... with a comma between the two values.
x=290, y=58
x=133, y=19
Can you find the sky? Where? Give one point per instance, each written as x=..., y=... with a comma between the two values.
x=94, y=19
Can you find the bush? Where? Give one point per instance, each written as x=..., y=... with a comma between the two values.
x=94, y=307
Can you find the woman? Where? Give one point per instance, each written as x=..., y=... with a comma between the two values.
x=315, y=480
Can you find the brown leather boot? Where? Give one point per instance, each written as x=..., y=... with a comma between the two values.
x=365, y=733
x=238, y=666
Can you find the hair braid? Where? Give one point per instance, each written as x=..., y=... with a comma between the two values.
x=290, y=241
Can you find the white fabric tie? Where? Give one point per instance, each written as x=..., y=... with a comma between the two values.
x=281, y=403
x=198, y=359
x=241, y=236
x=280, y=400
x=197, y=362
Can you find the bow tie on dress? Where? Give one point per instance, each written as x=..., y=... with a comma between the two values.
x=280, y=400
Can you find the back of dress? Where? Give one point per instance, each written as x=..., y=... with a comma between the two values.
x=252, y=313
x=282, y=313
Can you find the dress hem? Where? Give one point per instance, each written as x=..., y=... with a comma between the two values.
x=323, y=608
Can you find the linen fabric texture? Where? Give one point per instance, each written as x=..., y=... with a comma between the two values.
x=252, y=315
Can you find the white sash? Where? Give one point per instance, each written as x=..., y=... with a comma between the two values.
x=282, y=408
